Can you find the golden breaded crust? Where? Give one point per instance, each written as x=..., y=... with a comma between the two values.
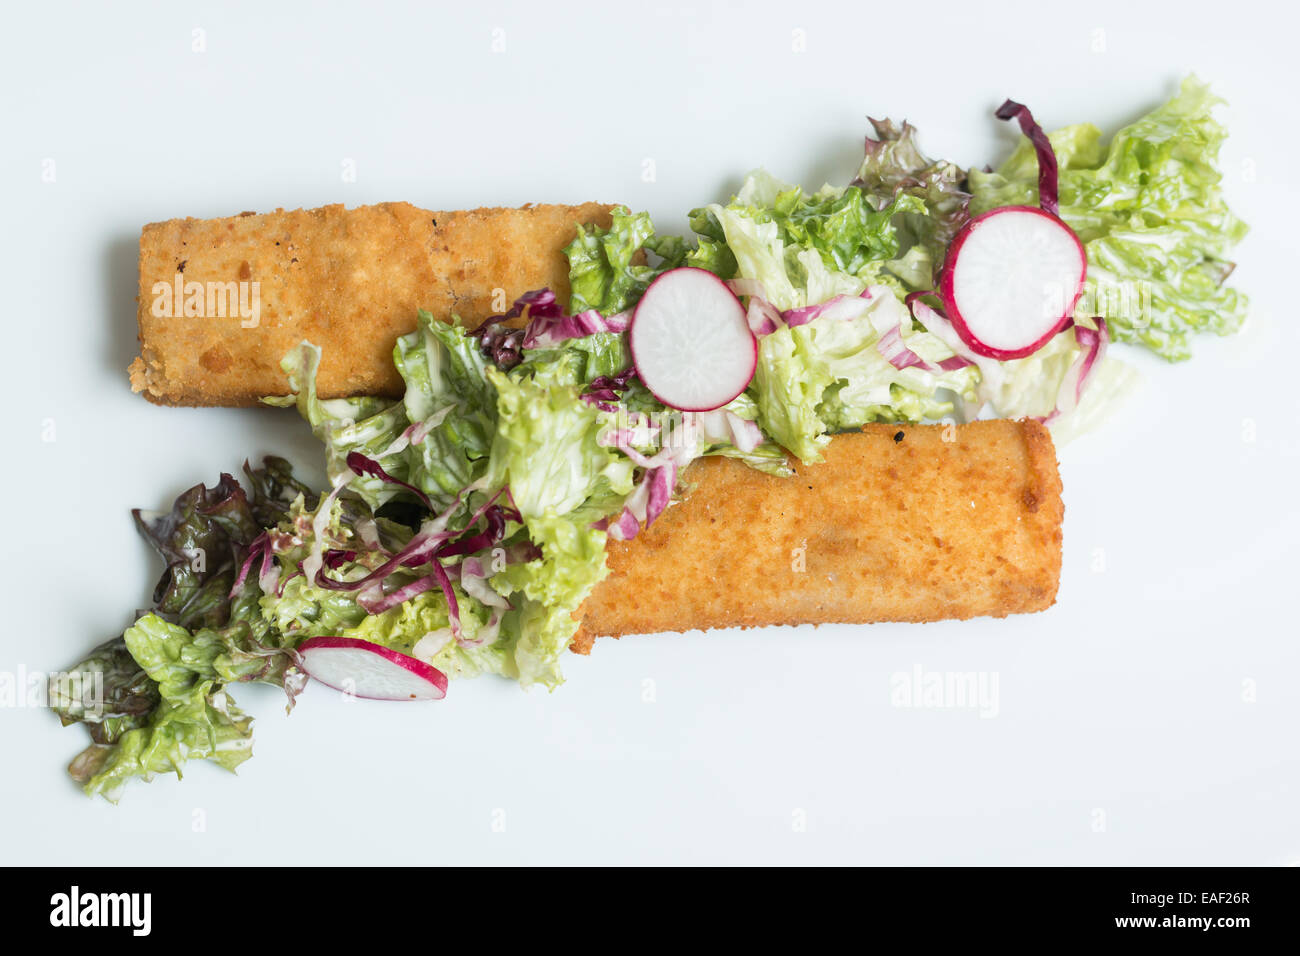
x=350, y=281
x=950, y=522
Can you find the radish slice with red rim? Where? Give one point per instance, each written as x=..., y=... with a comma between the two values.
x=371, y=671
x=691, y=342
x=1011, y=279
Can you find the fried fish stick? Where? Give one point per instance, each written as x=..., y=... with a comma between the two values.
x=222, y=300
x=899, y=523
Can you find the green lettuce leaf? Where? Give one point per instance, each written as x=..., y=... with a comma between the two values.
x=608, y=268
x=550, y=589
x=866, y=387
x=194, y=717
x=366, y=425
x=202, y=723
x=546, y=447
x=788, y=386
x=562, y=480
x=804, y=248
x=446, y=382
x=828, y=375
x=301, y=610
x=578, y=361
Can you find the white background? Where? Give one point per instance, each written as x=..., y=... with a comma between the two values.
x=1124, y=731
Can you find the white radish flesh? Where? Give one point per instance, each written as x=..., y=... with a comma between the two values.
x=368, y=670
x=1011, y=279
x=691, y=342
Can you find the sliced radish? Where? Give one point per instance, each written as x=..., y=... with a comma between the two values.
x=1011, y=279
x=690, y=341
x=368, y=670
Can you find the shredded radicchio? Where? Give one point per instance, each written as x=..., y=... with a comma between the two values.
x=547, y=325
x=500, y=343
x=368, y=466
x=653, y=493
x=603, y=391
x=262, y=550
x=764, y=318
x=473, y=578
x=721, y=426
x=429, y=548
x=1092, y=344
x=896, y=352
x=839, y=307
x=1047, y=169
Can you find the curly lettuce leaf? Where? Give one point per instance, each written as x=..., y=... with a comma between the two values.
x=608, y=267
x=202, y=539
x=174, y=657
x=893, y=164
x=201, y=724
x=807, y=248
x=302, y=610
x=788, y=386
x=156, y=695
x=446, y=392
x=194, y=717
x=866, y=387
x=108, y=691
